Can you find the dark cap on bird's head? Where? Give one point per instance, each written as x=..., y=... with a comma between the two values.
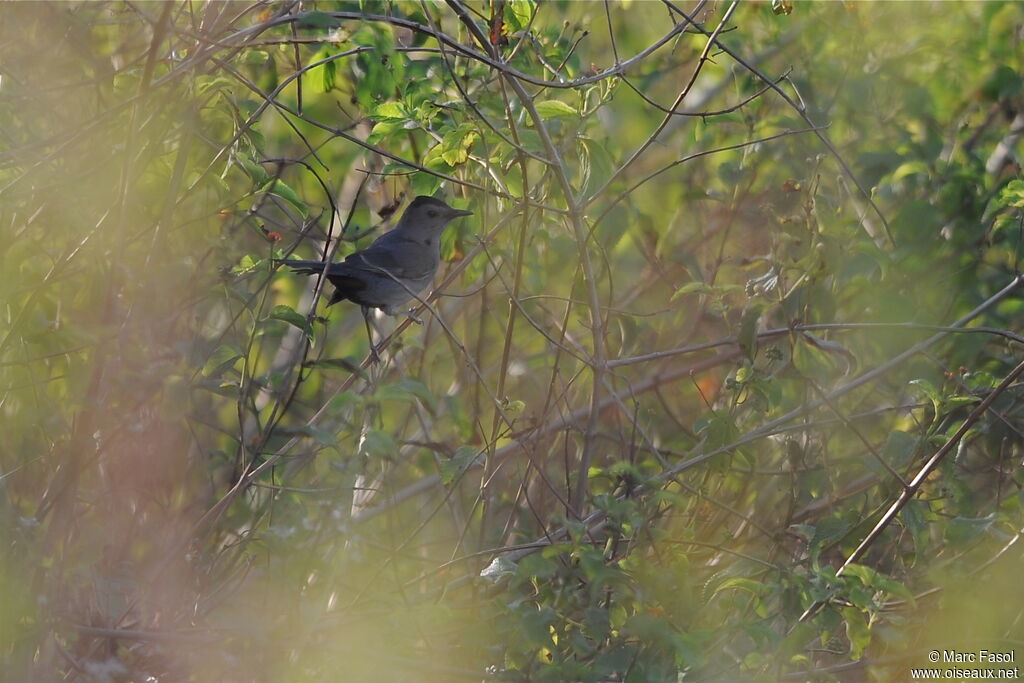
x=427, y=214
x=432, y=203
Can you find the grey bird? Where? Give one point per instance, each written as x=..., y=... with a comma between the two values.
x=393, y=270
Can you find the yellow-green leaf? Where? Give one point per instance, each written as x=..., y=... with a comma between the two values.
x=549, y=109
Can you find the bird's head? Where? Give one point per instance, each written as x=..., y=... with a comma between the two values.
x=427, y=215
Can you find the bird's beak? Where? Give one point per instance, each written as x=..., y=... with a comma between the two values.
x=460, y=212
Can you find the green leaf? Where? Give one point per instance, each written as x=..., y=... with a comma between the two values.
x=390, y=111
x=246, y=265
x=596, y=164
x=513, y=407
x=942, y=404
x=536, y=625
x=321, y=436
x=827, y=531
x=964, y=531
x=597, y=623
x=383, y=129
x=407, y=390
x=316, y=19
x=1013, y=194
x=514, y=184
x=208, y=83
x=810, y=361
x=1003, y=82
x=834, y=348
x=690, y=288
x=704, y=288
x=281, y=189
x=255, y=57
x=730, y=173
x=328, y=75
x=518, y=13
x=549, y=109
x=898, y=450
x=425, y=183
x=896, y=589
x=378, y=443
x=257, y=173
x=757, y=588
x=916, y=167
x=227, y=389
x=531, y=141
x=857, y=631
x=349, y=363
x=344, y=401
x=980, y=381
x=453, y=467
x=457, y=413
x=292, y=317
x=434, y=160
x=381, y=70
x=456, y=144
x=930, y=392
x=782, y=7
x=744, y=373
x=221, y=360
x=718, y=429
x=865, y=574
x=747, y=336
x=255, y=139
x=915, y=519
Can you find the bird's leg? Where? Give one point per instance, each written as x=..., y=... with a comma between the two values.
x=412, y=317
x=369, y=334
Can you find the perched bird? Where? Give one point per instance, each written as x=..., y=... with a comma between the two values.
x=393, y=270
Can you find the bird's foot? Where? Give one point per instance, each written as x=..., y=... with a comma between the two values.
x=413, y=317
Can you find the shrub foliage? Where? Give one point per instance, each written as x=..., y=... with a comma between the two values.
x=719, y=380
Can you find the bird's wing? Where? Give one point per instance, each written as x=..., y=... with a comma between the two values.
x=402, y=258
x=373, y=259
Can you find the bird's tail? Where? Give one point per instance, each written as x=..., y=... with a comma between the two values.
x=303, y=267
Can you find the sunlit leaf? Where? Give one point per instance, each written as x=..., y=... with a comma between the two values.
x=390, y=111
x=518, y=13
x=857, y=631
x=549, y=109
x=456, y=144
x=246, y=265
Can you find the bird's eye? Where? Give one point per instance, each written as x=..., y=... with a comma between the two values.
x=432, y=213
